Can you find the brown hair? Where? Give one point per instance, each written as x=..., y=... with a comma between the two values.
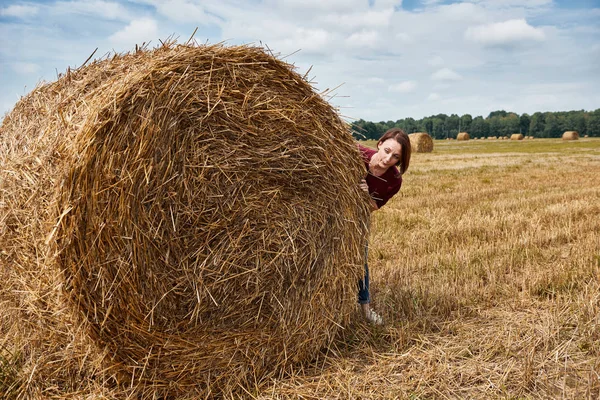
x=401, y=137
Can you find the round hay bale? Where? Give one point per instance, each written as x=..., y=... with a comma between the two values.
x=463, y=136
x=516, y=136
x=586, y=136
x=193, y=213
x=492, y=138
x=570, y=135
x=421, y=142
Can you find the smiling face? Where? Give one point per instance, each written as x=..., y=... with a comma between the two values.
x=388, y=154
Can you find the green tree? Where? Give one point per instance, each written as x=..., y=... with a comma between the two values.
x=465, y=123
x=536, y=127
x=524, y=121
x=410, y=125
x=452, y=123
x=576, y=122
x=426, y=125
x=499, y=113
x=551, y=126
x=593, y=123
x=496, y=126
x=511, y=124
x=438, y=128
x=479, y=127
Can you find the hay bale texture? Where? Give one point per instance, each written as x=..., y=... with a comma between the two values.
x=421, y=142
x=463, y=136
x=182, y=221
x=570, y=135
x=516, y=136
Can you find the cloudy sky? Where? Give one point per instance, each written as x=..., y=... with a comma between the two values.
x=392, y=58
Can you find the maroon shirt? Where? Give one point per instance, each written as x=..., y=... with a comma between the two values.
x=381, y=188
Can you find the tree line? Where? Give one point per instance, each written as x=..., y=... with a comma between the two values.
x=497, y=123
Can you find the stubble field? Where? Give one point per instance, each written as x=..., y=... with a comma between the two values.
x=486, y=268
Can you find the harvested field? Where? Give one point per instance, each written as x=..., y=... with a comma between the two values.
x=487, y=270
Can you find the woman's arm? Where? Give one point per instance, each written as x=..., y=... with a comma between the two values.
x=363, y=185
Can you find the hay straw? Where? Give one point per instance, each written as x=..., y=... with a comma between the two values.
x=421, y=142
x=516, y=136
x=570, y=135
x=463, y=136
x=183, y=221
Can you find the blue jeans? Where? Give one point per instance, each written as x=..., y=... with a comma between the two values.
x=363, y=284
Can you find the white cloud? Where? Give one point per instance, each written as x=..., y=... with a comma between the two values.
x=446, y=74
x=403, y=87
x=19, y=11
x=358, y=20
x=137, y=32
x=436, y=61
x=509, y=3
x=387, y=3
x=316, y=5
x=185, y=11
x=375, y=50
x=307, y=40
x=25, y=68
x=507, y=32
x=403, y=37
x=103, y=9
x=363, y=39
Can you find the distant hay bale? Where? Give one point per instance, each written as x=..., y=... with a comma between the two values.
x=463, y=136
x=492, y=138
x=570, y=135
x=586, y=136
x=183, y=222
x=421, y=142
x=516, y=136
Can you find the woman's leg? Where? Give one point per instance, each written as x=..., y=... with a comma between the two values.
x=363, y=284
x=364, y=297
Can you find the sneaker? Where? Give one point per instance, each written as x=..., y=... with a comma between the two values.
x=373, y=318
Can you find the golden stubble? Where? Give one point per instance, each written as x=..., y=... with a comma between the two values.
x=486, y=268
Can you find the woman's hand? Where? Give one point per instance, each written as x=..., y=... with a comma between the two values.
x=363, y=185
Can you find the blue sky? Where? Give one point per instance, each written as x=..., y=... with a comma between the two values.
x=394, y=59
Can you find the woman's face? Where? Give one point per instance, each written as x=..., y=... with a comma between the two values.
x=389, y=153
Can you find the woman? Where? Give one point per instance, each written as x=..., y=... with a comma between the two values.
x=385, y=167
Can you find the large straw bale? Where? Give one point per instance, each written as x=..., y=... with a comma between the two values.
x=421, y=142
x=183, y=221
x=463, y=136
x=570, y=135
x=516, y=136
